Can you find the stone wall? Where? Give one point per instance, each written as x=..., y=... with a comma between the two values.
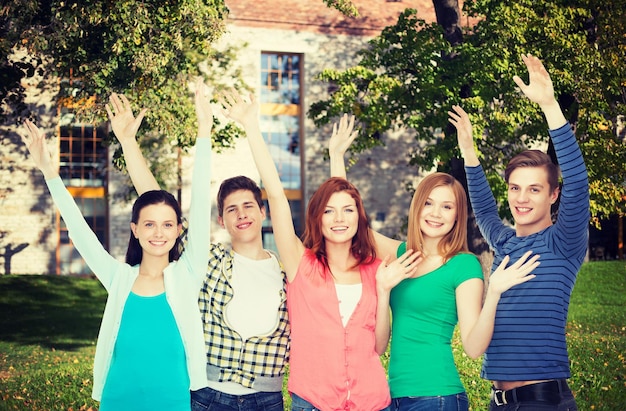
x=27, y=215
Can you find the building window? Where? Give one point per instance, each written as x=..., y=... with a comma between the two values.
x=83, y=167
x=282, y=128
x=83, y=155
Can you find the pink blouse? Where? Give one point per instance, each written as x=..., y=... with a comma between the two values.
x=332, y=367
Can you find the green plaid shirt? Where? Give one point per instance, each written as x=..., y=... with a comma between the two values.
x=243, y=362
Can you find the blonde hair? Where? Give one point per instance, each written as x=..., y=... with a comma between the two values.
x=453, y=242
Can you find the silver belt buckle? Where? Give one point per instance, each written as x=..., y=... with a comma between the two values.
x=499, y=398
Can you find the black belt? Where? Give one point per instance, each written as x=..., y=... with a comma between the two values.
x=549, y=392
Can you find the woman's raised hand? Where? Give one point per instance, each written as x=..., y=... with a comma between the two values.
x=35, y=141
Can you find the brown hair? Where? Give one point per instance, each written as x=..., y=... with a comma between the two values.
x=456, y=240
x=237, y=183
x=534, y=158
x=363, y=241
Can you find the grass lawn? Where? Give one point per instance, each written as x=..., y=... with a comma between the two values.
x=49, y=324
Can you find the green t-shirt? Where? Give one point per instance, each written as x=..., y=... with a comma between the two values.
x=424, y=315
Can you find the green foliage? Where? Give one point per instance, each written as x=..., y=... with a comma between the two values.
x=48, y=328
x=596, y=336
x=148, y=50
x=44, y=379
x=409, y=77
x=344, y=6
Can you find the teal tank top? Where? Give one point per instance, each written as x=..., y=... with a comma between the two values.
x=148, y=370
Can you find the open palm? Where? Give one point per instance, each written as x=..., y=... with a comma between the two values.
x=123, y=121
x=539, y=89
x=238, y=109
x=343, y=135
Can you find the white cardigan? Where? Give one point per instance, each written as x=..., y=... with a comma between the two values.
x=183, y=278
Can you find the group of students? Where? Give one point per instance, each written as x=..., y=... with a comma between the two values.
x=177, y=335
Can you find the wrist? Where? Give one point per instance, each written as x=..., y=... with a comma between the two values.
x=470, y=159
x=128, y=143
x=251, y=126
x=493, y=295
x=204, y=131
x=550, y=105
x=383, y=293
x=49, y=174
x=335, y=154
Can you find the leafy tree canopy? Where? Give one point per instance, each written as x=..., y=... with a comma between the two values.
x=409, y=77
x=147, y=50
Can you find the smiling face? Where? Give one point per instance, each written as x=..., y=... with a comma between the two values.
x=530, y=199
x=242, y=217
x=439, y=213
x=340, y=220
x=156, y=229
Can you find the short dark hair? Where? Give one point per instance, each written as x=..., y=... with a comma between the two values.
x=233, y=184
x=134, y=253
x=534, y=158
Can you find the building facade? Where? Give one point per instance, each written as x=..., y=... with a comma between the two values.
x=283, y=50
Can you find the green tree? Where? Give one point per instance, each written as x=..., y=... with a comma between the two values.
x=346, y=7
x=410, y=75
x=147, y=50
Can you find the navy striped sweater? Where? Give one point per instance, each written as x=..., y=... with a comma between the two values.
x=529, y=334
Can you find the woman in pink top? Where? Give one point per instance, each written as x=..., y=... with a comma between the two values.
x=334, y=279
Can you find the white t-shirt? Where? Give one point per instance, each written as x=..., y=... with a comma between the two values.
x=348, y=296
x=257, y=287
x=253, y=311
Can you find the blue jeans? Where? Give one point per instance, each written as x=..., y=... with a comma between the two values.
x=210, y=399
x=454, y=402
x=300, y=404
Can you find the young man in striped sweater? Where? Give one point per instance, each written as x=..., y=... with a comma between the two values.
x=527, y=358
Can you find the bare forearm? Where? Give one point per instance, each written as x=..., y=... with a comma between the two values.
x=554, y=115
x=383, y=323
x=337, y=166
x=263, y=160
x=480, y=335
x=204, y=130
x=49, y=173
x=138, y=170
x=470, y=158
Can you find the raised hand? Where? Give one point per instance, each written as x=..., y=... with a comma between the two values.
x=343, y=135
x=123, y=122
x=460, y=120
x=238, y=109
x=539, y=89
x=204, y=112
x=390, y=274
x=519, y=272
x=35, y=141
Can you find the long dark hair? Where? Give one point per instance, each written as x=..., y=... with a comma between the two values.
x=134, y=253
